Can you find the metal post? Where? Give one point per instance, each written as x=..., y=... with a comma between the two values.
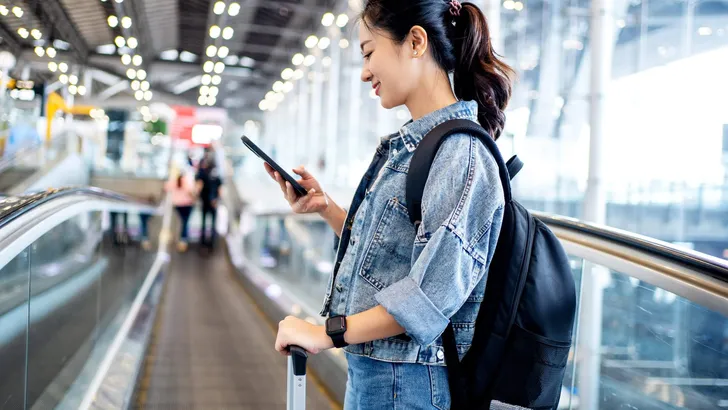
x=595, y=277
x=353, y=132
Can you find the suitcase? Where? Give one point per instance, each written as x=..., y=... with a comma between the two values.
x=296, y=390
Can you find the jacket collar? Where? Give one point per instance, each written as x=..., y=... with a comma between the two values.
x=414, y=131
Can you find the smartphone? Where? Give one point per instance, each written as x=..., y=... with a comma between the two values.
x=297, y=188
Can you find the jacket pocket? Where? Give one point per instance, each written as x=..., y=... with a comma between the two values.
x=390, y=246
x=532, y=370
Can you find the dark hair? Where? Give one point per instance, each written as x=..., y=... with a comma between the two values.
x=459, y=44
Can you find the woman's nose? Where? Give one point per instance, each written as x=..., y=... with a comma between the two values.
x=366, y=75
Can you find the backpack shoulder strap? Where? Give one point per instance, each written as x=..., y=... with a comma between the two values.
x=424, y=155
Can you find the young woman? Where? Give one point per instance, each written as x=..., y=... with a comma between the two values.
x=182, y=188
x=396, y=288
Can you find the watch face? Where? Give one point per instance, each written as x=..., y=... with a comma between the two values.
x=335, y=324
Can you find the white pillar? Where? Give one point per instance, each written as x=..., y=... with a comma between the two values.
x=353, y=131
x=492, y=10
x=303, y=127
x=331, y=120
x=315, y=139
x=595, y=278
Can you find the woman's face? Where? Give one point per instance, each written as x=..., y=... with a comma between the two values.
x=388, y=66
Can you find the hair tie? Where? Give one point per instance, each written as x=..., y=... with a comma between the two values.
x=455, y=8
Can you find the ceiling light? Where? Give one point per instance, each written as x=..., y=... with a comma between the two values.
x=219, y=67
x=137, y=60
x=263, y=105
x=216, y=80
x=52, y=66
x=227, y=34
x=39, y=51
x=208, y=66
x=113, y=21
x=139, y=95
x=269, y=95
x=211, y=101
x=23, y=32
x=309, y=60
x=119, y=41
x=214, y=91
x=297, y=59
x=223, y=52
x=232, y=60
x=145, y=85
x=278, y=86
x=298, y=74
x=131, y=73
x=342, y=20
x=518, y=6
x=324, y=43
x=3, y=10
x=328, y=19
x=247, y=62
x=234, y=9
x=204, y=90
x=202, y=100
x=169, y=55
x=51, y=52
x=126, y=59
x=219, y=8
x=278, y=97
x=73, y=79
x=72, y=89
x=63, y=79
x=63, y=67
x=142, y=75
x=18, y=12
x=211, y=51
x=82, y=90
x=36, y=34
x=287, y=87
x=705, y=31
x=148, y=95
x=326, y=61
x=344, y=43
x=311, y=41
x=135, y=85
x=132, y=42
x=126, y=22
x=206, y=79
x=215, y=31
x=287, y=74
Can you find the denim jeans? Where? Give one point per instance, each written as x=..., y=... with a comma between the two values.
x=379, y=385
x=184, y=216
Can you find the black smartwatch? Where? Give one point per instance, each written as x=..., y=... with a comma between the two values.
x=335, y=329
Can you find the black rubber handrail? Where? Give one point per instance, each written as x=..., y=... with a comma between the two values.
x=712, y=266
x=15, y=206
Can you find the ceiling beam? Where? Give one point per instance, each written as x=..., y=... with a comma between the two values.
x=9, y=41
x=306, y=8
x=60, y=20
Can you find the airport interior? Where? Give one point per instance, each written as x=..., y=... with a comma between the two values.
x=619, y=112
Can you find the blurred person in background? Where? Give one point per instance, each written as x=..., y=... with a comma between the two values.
x=209, y=185
x=181, y=187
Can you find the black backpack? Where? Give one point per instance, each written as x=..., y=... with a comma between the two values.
x=524, y=326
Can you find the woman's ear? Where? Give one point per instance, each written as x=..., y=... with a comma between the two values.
x=417, y=40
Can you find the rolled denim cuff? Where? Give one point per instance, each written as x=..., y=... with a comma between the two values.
x=413, y=310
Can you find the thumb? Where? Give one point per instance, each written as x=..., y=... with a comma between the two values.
x=302, y=172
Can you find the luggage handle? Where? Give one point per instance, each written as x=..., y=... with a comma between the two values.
x=296, y=388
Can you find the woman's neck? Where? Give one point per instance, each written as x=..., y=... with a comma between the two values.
x=430, y=96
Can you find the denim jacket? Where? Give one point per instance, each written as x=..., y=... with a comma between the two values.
x=438, y=273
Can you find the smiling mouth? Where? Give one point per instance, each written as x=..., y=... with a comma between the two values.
x=377, y=87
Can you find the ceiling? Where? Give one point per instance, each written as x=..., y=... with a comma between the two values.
x=173, y=37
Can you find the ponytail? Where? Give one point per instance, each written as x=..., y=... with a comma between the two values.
x=479, y=75
x=460, y=43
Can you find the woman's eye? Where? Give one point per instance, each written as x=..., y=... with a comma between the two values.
x=366, y=56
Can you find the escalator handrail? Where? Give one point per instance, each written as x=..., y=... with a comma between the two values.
x=714, y=267
x=13, y=207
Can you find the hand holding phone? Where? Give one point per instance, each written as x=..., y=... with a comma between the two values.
x=315, y=201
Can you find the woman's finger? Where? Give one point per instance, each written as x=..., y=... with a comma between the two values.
x=290, y=193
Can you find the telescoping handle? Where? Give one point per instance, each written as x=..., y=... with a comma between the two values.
x=296, y=378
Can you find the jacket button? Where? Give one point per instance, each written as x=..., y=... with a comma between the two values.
x=440, y=354
x=352, y=241
x=339, y=287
